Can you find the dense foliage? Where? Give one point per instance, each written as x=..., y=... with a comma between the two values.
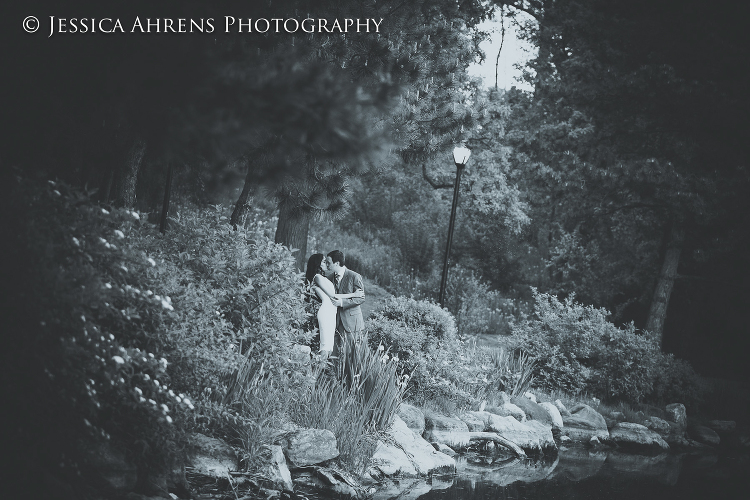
x=577, y=349
x=132, y=337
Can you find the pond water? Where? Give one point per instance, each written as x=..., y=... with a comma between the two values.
x=581, y=474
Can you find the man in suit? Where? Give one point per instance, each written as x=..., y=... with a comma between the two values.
x=349, y=320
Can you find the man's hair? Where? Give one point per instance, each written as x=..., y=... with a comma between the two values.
x=337, y=256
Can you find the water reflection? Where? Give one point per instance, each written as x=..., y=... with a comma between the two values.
x=582, y=474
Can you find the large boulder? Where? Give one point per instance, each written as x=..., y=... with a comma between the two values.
x=412, y=417
x=658, y=425
x=636, y=437
x=554, y=414
x=676, y=413
x=476, y=421
x=275, y=474
x=532, y=410
x=211, y=456
x=451, y=431
x=704, y=435
x=532, y=435
x=309, y=446
x=408, y=454
x=585, y=423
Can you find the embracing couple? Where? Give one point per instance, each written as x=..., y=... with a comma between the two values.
x=340, y=292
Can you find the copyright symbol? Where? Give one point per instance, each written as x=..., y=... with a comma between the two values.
x=31, y=24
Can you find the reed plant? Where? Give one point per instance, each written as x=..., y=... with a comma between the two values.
x=355, y=396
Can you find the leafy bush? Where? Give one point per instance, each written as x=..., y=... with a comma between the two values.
x=88, y=350
x=133, y=337
x=578, y=349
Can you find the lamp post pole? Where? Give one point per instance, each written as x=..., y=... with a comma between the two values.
x=460, y=156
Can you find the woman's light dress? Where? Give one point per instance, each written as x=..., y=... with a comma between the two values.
x=326, y=313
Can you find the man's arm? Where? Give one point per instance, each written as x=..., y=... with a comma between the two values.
x=354, y=301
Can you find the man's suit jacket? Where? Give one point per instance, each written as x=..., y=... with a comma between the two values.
x=349, y=316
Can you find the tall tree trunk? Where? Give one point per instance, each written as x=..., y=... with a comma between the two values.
x=125, y=195
x=658, y=311
x=292, y=231
x=241, y=208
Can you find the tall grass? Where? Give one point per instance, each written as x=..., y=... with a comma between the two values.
x=356, y=396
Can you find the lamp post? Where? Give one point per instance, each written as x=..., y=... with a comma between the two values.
x=460, y=157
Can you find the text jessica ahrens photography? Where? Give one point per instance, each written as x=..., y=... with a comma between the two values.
x=226, y=24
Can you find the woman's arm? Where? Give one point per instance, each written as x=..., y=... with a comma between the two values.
x=320, y=293
x=359, y=294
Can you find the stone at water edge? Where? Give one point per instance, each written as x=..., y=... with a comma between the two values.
x=637, y=437
x=476, y=421
x=389, y=460
x=676, y=413
x=412, y=416
x=554, y=414
x=658, y=425
x=585, y=423
x=532, y=410
x=532, y=435
x=309, y=446
x=704, y=435
x=444, y=448
x=447, y=430
x=211, y=456
x=505, y=408
x=408, y=455
x=529, y=395
x=275, y=474
x=564, y=412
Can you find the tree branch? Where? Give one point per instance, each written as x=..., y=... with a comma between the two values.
x=433, y=183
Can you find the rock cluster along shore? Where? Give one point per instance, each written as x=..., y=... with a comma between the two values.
x=422, y=444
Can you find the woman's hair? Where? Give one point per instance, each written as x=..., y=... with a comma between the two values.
x=313, y=266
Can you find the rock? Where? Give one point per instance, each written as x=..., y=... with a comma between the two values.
x=637, y=437
x=114, y=467
x=565, y=440
x=531, y=435
x=594, y=443
x=723, y=426
x=476, y=421
x=413, y=417
x=211, y=456
x=446, y=430
x=507, y=409
x=704, y=435
x=561, y=408
x=532, y=410
x=658, y=425
x=585, y=423
x=389, y=460
x=444, y=448
x=530, y=396
x=410, y=455
x=275, y=474
x=554, y=414
x=309, y=446
x=676, y=413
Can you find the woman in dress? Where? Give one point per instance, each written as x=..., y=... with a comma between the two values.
x=322, y=288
